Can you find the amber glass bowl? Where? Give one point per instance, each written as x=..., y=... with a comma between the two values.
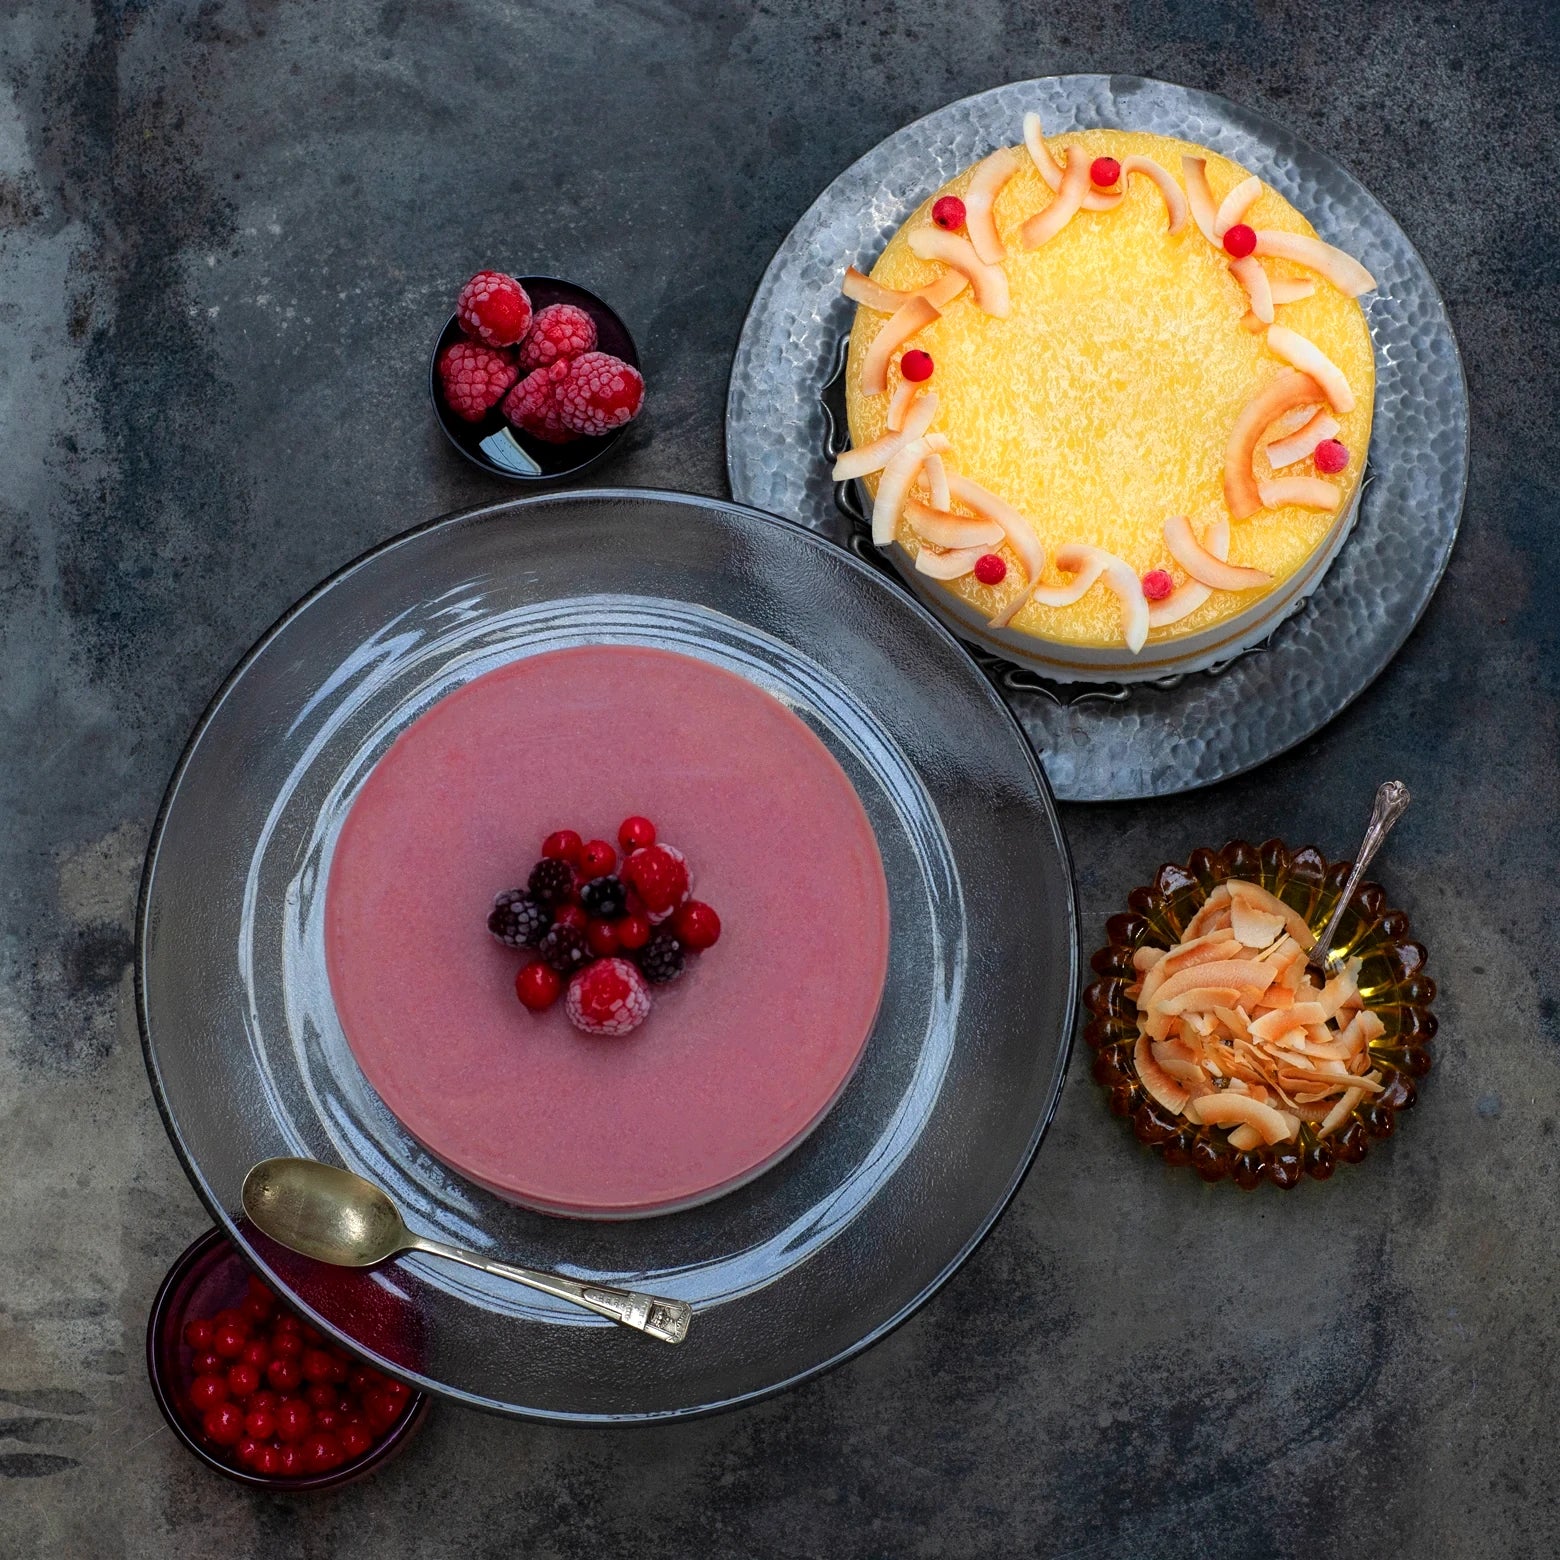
x=1392, y=982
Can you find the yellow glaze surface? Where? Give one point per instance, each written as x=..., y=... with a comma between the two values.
x=1103, y=404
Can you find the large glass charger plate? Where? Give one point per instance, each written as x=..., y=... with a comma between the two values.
x=1112, y=742
x=870, y=1214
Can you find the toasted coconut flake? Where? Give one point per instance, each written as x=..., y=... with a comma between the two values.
x=1186, y=599
x=1202, y=950
x=1065, y=595
x=860, y=288
x=1342, y=270
x=1256, y=928
x=1278, y=396
x=936, y=475
x=895, y=484
x=1164, y=1089
x=1236, y=204
x=1291, y=289
x=1259, y=898
x=1275, y=1026
x=1051, y=171
x=1303, y=441
x=1199, y=197
x=951, y=565
x=1226, y=1109
x=1199, y=924
x=1120, y=576
x=990, y=175
x=1302, y=353
x=902, y=324
x=943, y=529
x=1249, y=273
x=1145, y=958
x=1198, y=999
x=1244, y=1137
x=1175, y=202
x=1340, y=1113
x=1244, y=974
x=1298, y=492
x=899, y=403
x=1202, y=565
x=1045, y=225
x=989, y=282
x=876, y=455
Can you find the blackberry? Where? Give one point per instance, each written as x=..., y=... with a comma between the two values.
x=565, y=948
x=551, y=882
x=605, y=898
x=661, y=959
x=517, y=920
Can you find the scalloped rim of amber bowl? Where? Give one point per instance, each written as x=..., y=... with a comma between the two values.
x=1393, y=984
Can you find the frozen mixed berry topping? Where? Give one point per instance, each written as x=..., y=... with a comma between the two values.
x=1157, y=584
x=661, y=958
x=599, y=392
x=659, y=878
x=474, y=378
x=635, y=834
x=565, y=948
x=605, y=897
x=494, y=308
x=532, y=406
x=609, y=998
x=517, y=920
x=551, y=881
x=916, y=365
x=948, y=213
x=559, y=332
x=1104, y=172
x=991, y=568
x=1239, y=240
x=1331, y=456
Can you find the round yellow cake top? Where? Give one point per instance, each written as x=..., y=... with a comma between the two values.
x=1103, y=404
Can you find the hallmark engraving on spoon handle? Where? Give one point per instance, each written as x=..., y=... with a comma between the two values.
x=666, y=1320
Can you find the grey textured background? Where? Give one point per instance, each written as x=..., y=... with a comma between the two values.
x=227, y=233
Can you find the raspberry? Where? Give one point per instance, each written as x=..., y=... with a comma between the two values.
x=605, y=898
x=1239, y=240
x=659, y=876
x=494, y=308
x=1331, y=456
x=608, y=998
x=565, y=948
x=1103, y=172
x=1157, y=584
x=916, y=365
x=518, y=921
x=551, y=881
x=474, y=378
x=991, y=568
x=532, y=406
x=662, y=958
x=599, y=393
x=948, y=213
x=559, y=332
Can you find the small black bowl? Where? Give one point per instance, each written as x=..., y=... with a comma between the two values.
x=555, y=462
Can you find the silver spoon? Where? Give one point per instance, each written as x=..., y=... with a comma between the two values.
x=337, y=1217
x=1392, y=799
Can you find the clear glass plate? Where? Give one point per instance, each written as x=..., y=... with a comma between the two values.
x=852, y=1231
x=1111, y=742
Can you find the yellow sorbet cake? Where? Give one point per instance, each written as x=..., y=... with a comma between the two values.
x=1110, y=403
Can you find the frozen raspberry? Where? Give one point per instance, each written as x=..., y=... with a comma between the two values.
x=560, y=331
x=494, y=308
x=659, y=876
x=532, y=406
x=474, y=378
x=599, y=393
x=609, y=997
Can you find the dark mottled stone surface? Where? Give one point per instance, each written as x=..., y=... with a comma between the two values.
x=227, y=232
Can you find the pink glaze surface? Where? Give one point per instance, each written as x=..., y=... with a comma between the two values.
x=738, y=1060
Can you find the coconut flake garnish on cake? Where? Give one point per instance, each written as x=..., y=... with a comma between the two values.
x=942, y=528
x=897, y=480
x=902, y=324
x=1205, y=567
x=1236, y=204
x=1175, y=201
x=951, y=565
x=860, y=288
x=1289, y=390
x=989, y=179
x=1295, y=446
x=1342, y=270
x=1305, y=492
x=987, y=281
x=1304, y=354
x=876, y=455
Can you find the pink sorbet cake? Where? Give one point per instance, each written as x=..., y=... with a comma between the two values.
x=738, y=1060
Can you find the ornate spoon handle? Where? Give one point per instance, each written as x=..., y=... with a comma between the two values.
x=666, y=1320
x=1392, y=799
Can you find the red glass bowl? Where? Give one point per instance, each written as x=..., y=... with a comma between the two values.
x=208, y=1276
x=1392, y=983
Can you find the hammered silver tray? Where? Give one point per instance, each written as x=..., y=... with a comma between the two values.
x=1108, y=742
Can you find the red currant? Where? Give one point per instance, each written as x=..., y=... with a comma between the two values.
x=327, y=1419
x=322, y=1453
x=564, y=845
x=228, y=1343
x=294, y=1419
x=1157, y=584
x=355, y=1439
x=599, y=859
x=264, y=1401
x=316, y=1365
x=258, y=1308
x=382, y=1410
x=991, y=568
x=310, y=1333
x=285, y=1345
x=538, y=985
x=290, y=1461
x=207, y=1391
x=636, y=833
x=1239, y=240
x=364, y=1379
x=243, y=1380
x=321, y=1394
x=257, y=1352
x=571, y=916
x=602, y=938
x=396, y=1389
x=916, y=365
x=1331, y=457
x=198, y=1333
x=248, y=1451
x=259, y=1422
x=1103, y=172
x=283, y=1373
x=209, y=1364
x=633, y=931
x=224, y=1424
x=231, y=1316
x=696, y=924
x=948, y=213
x=286, y=1323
